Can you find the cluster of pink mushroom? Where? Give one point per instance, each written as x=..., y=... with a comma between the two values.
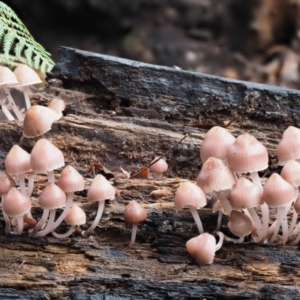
x=45, y=158
x=230, y=172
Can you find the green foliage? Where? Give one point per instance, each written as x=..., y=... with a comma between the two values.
x=15, y=38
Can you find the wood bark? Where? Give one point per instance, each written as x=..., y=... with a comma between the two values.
x=122, y=113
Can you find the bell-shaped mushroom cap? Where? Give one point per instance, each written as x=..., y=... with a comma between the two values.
x=216, y=143
x=239, y=224
x=134, y=213
x=45, y=157
x=26, y=75
x=57, y=105
x=291, y=173
x=189, y=194
x=247, y=154
x=17, y=161
x=100, y=190
x=7, y=77
x=75, y=216
x=245, y=194
x=6, y=183
x=277, y=192
x=202, y=248
x=38, y=120
x=159, y=167
x=288, y=149
x=291, y=131
x=52, y=197
x=70, y=180
x=16, y=203
x=215, y=176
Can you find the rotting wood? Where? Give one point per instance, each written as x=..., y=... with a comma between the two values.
x=112, y=119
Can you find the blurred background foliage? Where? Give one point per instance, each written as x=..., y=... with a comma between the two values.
x=255, y=40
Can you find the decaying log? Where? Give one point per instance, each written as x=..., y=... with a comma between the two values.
x=122, y=113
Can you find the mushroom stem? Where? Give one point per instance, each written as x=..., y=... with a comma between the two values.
x=6, y=218
x=7, y=113
x=281, y=218
x=96, y=221
x=26, y=96
x=295, y=214
x=197, y=219
x=50, y=175
x=30, y=183
x=20, y=225
x=133, y=235
x=40, y=225
x=12, y=103
x=65, y=235
x=220, y=215
x=51, y=226
x=257, y=223
x=221, y=240
x=265, y=220
x=255, y=178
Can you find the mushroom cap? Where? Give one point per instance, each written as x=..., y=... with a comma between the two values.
x=288, y=149
x=58, y=105
x=45, y=157
x=16, y=203
x=245, y=194
x=38, y=120
x=7, y=77
x=134, y=213
x=159, y=167
x=247, y=154
x=189, y=194
x=75, y=216
x=216, y=136
x=6, y=183
x=26, y=75
x=290, y=132
x=100, y=190
x=277, y=192
x=202, y=248
x=215, y=176
x=291, y=173
x=239, y=224
x=52, y=197
x=70, y=180
x=17, y=161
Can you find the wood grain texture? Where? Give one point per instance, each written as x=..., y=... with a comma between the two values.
x=122, y=114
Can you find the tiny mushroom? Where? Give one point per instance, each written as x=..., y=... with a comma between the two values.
x=203, y=248
x=75, y=217
x=51, y=198
x=160, y=166
x=240, y=225
x=6, y=183
x=191, y=196
x=7, y=80
x=278, y=193
x=26, y=77
x=134, y=214
x=15, y=205
x=216, y=136
x=38, y=120
x=100, y=190
x=45, y=158
x=57, y=105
